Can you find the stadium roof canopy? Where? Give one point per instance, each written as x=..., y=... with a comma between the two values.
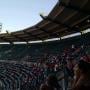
x=67, y=17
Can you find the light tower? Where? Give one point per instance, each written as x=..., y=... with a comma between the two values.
x=0, y=27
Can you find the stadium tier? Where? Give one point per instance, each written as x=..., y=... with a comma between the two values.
x=16, y=75
x=27, y=66
x=33, y=52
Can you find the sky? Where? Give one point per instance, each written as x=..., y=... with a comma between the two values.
x=20, y=14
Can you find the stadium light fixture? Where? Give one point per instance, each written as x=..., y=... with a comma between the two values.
x=39, y=41
x=86, y=31
x=5, y=43
x=19, y=42
x=53, y=39
x=71, y=35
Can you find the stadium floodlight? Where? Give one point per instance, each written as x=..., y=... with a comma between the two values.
x=53, y=39
x=0, y=27
x=19, y=43
x=38, y=41
x=86, y=31
x=4, y=43
x=71, y=35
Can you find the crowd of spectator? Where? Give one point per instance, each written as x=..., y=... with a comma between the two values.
x=21, y=76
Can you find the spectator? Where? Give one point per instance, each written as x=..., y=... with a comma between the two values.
x=51, y=84
x=82, y=76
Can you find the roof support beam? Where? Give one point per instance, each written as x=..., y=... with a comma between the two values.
x=48, y=32
x=30, y=34
x=74, y=8
x=20, y=38
x=69, y=28
x=3, y=38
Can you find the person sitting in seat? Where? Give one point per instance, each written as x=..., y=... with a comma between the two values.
x=50, y=84
x=82, y=76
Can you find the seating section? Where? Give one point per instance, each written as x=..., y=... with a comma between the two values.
x=34, y=51
x=15, y=76
x=25, y=67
